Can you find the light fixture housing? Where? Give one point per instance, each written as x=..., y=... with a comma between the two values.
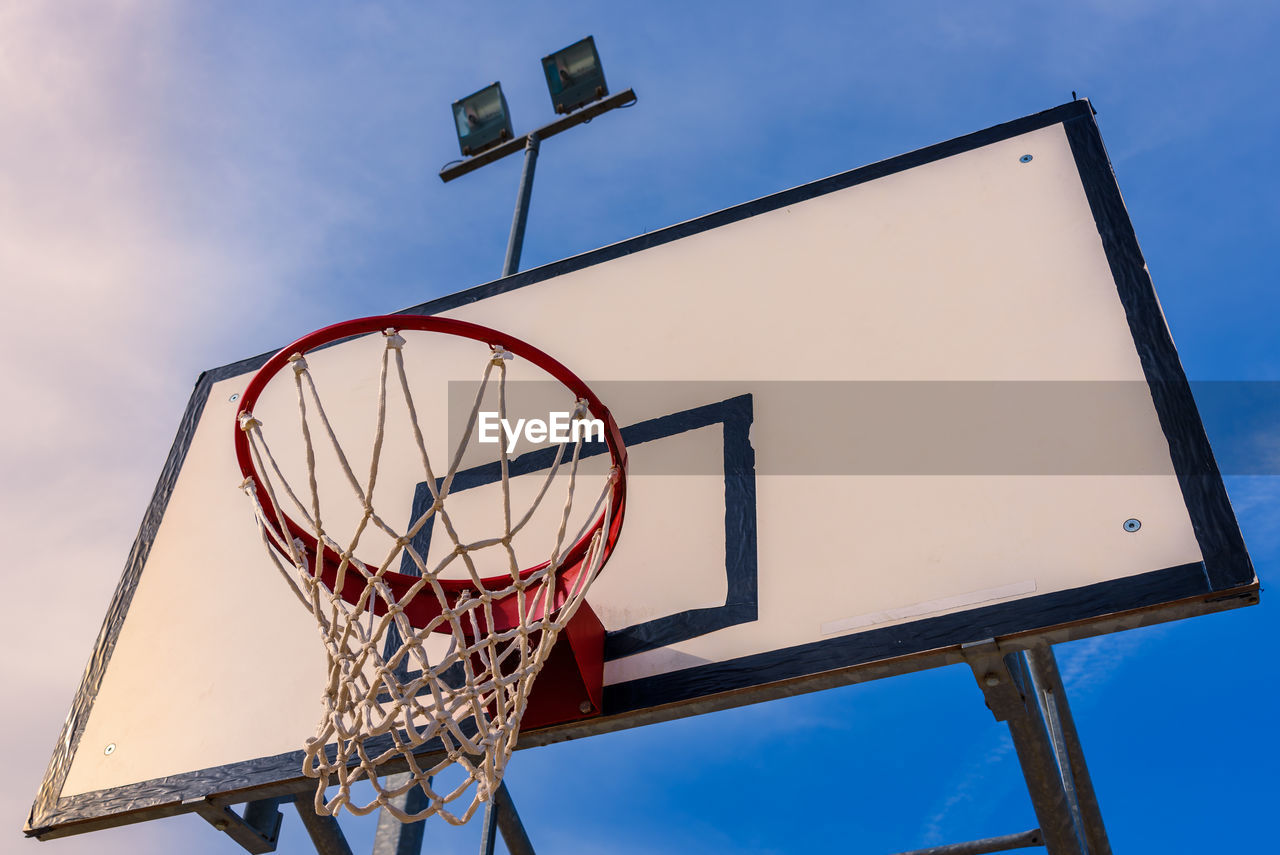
x=482, y=119
x=575, y=76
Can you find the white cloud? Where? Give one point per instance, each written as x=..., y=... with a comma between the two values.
x=1256, y=499
x=123, y=261
x=972, y=786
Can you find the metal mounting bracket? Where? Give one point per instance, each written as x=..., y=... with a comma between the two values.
x=257, y=830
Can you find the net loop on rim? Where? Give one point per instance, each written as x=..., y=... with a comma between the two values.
x=392, y=700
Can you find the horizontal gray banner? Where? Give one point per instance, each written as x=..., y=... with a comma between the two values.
x=895, y=428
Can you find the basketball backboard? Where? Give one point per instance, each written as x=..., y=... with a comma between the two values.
x=923, y=403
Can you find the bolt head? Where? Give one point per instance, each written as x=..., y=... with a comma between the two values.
x=1132, y=525
x=990, y=679
x=585, y=707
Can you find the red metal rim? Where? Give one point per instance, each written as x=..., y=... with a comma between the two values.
x=423, y=609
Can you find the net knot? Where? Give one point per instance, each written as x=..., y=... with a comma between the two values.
x=248, y=422
x=299, y=363
x=395, y=341
x=500, y=353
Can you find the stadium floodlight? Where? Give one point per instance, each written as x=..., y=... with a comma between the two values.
x=483, y=120
x=576, y=82
x=575, y=76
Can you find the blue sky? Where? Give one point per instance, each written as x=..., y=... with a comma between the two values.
x=188, y=184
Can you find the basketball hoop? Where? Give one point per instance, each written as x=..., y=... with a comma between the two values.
x=388, y=698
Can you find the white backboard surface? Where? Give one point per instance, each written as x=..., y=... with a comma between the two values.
x=869, y=419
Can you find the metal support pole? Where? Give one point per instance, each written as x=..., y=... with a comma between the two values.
x=1044, y=666
x=489, y=828
x=509, y=824
x=326, y=834
x=500, y=816
x=989, y=844
x=516, y=242
x=1011, y=696
x=394, y=837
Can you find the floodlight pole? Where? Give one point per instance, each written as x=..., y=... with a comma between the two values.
x=516, y=241
x=394, y=838
x=530, y=143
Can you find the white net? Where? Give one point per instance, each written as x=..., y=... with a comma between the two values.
x=428, y=667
